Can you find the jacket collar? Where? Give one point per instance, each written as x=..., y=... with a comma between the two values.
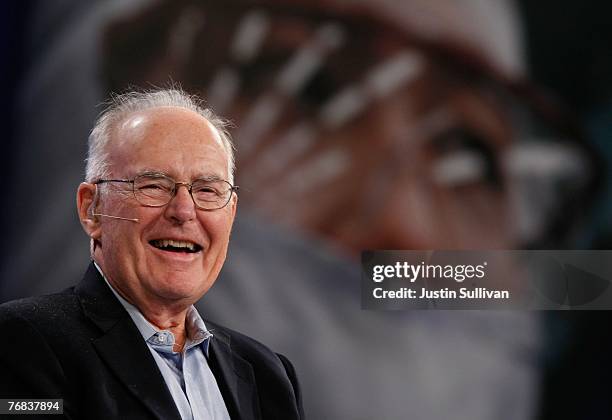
x=235, y=377
x=121, y=346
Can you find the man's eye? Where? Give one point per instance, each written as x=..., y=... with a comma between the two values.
x=207, y=190
x=154, y=187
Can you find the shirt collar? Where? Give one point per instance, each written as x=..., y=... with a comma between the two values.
x=163, y=340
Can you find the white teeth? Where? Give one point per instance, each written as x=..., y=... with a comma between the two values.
x=176, y=244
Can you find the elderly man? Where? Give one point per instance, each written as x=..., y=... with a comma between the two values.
x=127, y=342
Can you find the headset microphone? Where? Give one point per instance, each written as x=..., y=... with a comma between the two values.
x=117, y=217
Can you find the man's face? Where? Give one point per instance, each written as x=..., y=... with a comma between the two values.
x=184, y=146
x=418, y=169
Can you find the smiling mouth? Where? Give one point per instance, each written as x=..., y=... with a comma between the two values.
x=176, y=246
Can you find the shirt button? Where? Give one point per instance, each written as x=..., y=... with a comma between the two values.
x=162, y=338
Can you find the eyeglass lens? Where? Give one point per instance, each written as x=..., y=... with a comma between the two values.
x=159, y=190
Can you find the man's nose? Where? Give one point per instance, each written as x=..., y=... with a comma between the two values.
x=181, y=207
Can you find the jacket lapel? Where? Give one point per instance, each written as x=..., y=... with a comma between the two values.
x=122, y=348
x=235, y=378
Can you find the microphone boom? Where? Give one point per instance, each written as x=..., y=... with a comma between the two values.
x=117, y=217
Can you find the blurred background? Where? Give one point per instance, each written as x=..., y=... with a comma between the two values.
x=359, y=124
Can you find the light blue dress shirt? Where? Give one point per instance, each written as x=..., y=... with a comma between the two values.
x=187, y=374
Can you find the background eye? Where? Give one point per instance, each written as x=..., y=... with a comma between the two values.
x=464, y=157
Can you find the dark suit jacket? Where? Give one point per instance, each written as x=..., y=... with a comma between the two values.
x=81, y=345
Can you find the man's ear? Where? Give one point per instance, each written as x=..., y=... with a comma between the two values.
x=234, y=204
x=86, y=205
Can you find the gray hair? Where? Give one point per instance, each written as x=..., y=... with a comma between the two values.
x=119, y=106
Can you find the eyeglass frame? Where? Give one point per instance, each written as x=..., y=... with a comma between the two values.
x=189, y=185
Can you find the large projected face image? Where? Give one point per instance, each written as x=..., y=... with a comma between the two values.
x=354, y=126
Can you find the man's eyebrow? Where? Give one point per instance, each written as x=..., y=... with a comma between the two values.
x=211, y=177
x=151, y=172
x=205, y=177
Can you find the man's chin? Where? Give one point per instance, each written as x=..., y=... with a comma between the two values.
x=176, y=287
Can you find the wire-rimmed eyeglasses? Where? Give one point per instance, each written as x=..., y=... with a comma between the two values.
x=156, y=190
